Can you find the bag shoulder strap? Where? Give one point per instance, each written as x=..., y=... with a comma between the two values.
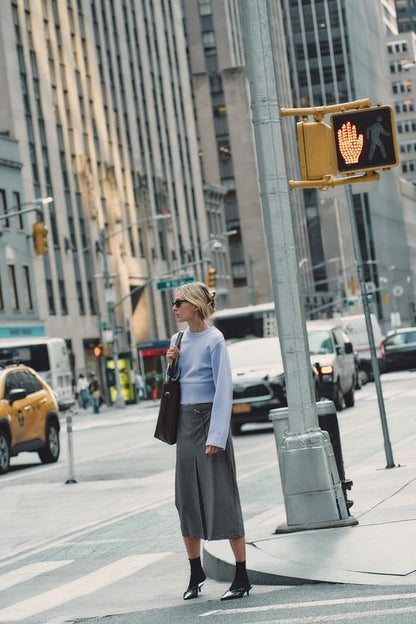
x=174, y=366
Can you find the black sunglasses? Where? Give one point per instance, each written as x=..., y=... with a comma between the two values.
x=178, y=302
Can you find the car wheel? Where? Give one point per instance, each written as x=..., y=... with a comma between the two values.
x=50, y=453
x=349, y=397
x=235, y=429
x=365, y=376
x=339, y=398
x=4, y=452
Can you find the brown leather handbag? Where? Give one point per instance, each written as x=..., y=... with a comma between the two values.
x=167, y=421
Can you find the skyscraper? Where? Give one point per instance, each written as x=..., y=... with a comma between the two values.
x=228, y=156
x=97, y=94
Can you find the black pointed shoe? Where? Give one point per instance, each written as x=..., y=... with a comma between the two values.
x=233, y=594
x=192, y=592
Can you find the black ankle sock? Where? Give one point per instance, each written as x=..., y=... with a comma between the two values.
x=197, y=572
x=240, y=578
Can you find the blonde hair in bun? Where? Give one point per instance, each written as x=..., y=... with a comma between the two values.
x=201, y=296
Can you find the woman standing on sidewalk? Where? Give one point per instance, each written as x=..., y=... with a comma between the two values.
x=206, y=492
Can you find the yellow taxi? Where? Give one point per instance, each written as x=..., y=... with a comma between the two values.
x=28, y=416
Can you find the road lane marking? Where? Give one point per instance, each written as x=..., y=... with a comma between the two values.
x=29, y=572
x=340, y=617
x=80, y=587
x=313, y=603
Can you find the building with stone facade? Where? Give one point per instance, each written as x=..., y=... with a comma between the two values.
x=97, y=95
x=19, y=315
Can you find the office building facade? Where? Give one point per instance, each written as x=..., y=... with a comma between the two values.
x=226, y=138
x=97, y=94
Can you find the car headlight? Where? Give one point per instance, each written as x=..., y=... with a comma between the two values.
x=327, y=370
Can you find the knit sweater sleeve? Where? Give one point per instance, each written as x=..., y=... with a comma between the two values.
x=222, y=403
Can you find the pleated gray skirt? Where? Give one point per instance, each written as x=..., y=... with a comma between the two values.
x=206, y=492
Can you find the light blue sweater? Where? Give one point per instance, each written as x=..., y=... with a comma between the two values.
x=205, y=374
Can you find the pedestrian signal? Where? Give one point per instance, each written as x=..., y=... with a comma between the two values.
x=40, y=232
x=211, y=277
x=98, y=351
x=364, y=140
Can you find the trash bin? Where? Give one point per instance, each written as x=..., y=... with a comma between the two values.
x=328, y=421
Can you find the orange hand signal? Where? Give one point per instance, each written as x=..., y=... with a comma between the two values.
x=350, y=145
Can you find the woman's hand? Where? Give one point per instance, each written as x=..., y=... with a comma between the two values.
x=210, y=450
x=172, y=354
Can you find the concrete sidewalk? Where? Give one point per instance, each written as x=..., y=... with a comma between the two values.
x=380, y=550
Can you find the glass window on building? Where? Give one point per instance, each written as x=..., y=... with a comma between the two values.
x=3, y=207
x=208, y=40
x=205, y=7
x=27, y=288
x=14, y=296
x=16, y=207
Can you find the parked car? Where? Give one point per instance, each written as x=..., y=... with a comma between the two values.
x=332, y=353
x=28, y=416
x=356, y=328
x=258, y=380
x=400, y=349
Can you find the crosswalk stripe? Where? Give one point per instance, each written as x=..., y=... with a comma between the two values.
x=341, y=617
x=80, y=587
x=313, y=603
x=28, y=572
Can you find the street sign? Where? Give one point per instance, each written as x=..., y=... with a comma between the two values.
x=397, y=290
x=174, y=283
x=101, y=325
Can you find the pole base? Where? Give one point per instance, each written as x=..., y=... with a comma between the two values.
x=70, y=481
x=336, y=524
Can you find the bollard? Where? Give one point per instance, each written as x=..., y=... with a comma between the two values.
x=69, y=407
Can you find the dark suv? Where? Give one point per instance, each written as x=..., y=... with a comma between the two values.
x=399, y=349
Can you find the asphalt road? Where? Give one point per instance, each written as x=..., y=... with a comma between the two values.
x=109, y=546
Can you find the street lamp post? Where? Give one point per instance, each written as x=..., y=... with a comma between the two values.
x=110, y=300
x=18, y=213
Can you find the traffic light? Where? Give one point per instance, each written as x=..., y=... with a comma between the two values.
x=364, y=140
x=40, y=232
x=211, y=277
x=315, y=154
x=98, y=351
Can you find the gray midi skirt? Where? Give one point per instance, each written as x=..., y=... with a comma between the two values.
x=206, y=492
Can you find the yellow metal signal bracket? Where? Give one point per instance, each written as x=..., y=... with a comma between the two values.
x=327, y=182
x=319, y=112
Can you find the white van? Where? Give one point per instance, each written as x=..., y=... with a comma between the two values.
x=356, y=329
x=332, y=353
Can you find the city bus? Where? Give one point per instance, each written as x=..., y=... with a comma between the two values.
x=254, y=321
x=47, y=356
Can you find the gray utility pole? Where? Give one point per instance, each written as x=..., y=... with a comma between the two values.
x=310, y=481
x=119, y=401
x=371, y=342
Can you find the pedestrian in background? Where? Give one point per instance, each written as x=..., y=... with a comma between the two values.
x=82, y=389
x=94, y=390
x=206, y=492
